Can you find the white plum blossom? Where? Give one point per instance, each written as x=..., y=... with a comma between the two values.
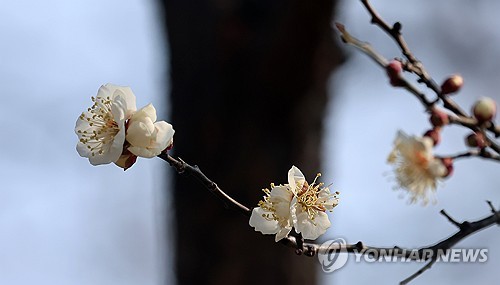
x=417, y=169
x=296, y=204
x=113, y=131
x=101, y=130
x=273, y=215
x=147, y=137
x=309, y=205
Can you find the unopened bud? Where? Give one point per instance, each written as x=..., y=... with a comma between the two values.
x=484, y=109
x=452, y=84
x=435, y=135
x=394, y=69
x=476, y=140
x=448, y=163
x=439, y=118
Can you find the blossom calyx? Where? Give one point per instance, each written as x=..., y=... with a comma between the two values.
x=434, y=134
x=448, y=163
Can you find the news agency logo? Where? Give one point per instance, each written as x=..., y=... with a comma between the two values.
x=332, y=258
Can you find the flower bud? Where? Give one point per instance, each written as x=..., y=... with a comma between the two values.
x=476, y=140
x=439, y=118
x=452, y=84
x=448, y=163
x=394, y=69
x=484, y=109
x=434, y=134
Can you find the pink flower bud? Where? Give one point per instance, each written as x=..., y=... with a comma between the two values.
x=435, y=135
x=394, y=69
x=476, y=140
x=439, y=118
x=484, y=109
x=452, y=84
x=448, y=163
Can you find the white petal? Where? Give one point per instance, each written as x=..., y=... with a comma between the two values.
x=295, y=177
x=142, y=152
x=164, y=136
x=82, y=150
x=119, y=109
x=125, y=92
x=141, y=133
x=148, y=111
x=281, y=197
x=282, y=233
x=312, y=229
x=113, y=153
x=261, y=224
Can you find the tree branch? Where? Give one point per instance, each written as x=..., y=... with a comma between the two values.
x=311, y=249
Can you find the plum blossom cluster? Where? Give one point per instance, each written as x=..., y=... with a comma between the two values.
x=112, y=130
x=417, y=169
x=298, y=205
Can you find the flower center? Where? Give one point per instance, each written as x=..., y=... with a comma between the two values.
x=103, y=127
x=308, y=198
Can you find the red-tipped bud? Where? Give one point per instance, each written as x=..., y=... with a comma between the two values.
x=484, y=109
x=394, y=69
x=435, y=135
x=452, y=84
x=448, y=163
x=439, y=118
x=476, y=140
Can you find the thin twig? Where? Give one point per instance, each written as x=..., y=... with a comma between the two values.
x=382, y=62
x=419, y=272
x=443, y=212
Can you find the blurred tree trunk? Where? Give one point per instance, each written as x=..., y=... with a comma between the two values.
x=248, y=96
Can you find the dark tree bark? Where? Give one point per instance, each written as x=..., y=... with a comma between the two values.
x=248, y=96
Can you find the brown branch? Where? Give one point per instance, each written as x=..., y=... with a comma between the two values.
x=382, y=62
x=481, y=153
x=461, y=117
x=415, y=65
x=183, y=168
x=311, y=249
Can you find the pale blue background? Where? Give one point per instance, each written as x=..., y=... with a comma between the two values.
x=63, y=221
x=363, y=120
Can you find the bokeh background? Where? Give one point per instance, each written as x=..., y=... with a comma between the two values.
x=63, y=221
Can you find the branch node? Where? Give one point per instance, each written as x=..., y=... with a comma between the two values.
x=493, y=209
x=451, y=220
x=359, y=246
x=396, y=28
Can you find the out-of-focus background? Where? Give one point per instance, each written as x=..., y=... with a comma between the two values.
x=63, y=221
x=364, y=115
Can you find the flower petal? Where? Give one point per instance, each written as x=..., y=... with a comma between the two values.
x=142, y=152
x=141, y=132
x=147, y=111
x=295, y=178
x=112, y=90
x=262, y=224
x=164, y=136
x=311, y=229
